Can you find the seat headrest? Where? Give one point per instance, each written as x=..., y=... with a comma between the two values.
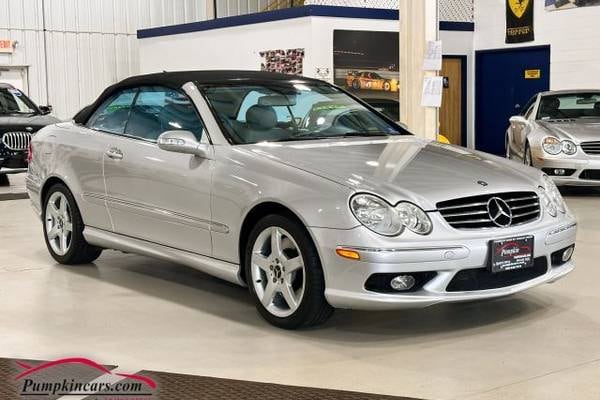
x=261, y=117
x=552, y=103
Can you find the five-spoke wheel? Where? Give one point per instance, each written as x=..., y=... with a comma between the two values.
x=278, y=271
x=59, y=229
x=284, y=273
x=63, y=228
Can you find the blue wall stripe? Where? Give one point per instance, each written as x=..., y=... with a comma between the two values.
x=288, y=13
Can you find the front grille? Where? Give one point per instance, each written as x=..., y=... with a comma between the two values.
x=472, y=212
x=469, y=280
x=591, y=174
x=591, y=148
x=16, y=141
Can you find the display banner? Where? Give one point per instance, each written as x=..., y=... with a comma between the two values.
x=519, y=21
x=554, y=5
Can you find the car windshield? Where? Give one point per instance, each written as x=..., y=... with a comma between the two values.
x=288, y=111
x=13, y=101
x=570, y=106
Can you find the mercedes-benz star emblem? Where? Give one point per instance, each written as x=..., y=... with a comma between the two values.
x=499, y=211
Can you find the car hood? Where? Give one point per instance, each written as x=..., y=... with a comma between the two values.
x=36, y=122
x=403, y=168
x=584, y=130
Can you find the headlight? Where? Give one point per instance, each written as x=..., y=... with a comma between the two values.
x=414, y=218
x=552, y=145
x=376, y=214
x=556, y=199
x=380, y=217
x=569, y=147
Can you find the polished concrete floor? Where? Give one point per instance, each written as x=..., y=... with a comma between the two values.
x=145, y=314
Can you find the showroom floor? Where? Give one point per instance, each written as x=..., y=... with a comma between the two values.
x=140, y=313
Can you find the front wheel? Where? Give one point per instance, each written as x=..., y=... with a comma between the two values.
x=284, y=274
x=63, y=228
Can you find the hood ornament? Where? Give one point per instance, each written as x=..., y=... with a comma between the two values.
x=29, y=129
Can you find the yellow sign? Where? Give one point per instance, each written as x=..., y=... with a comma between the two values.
x=518, y=7
x=533, y=74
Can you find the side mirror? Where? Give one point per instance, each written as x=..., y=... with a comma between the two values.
x=45, y=110
x=182, y=142
x=519, y=119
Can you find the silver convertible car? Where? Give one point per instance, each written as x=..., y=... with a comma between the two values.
x=559, y=132
x=296, y=189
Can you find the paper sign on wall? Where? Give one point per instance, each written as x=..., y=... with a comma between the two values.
x=433, y=56
x=432, y=91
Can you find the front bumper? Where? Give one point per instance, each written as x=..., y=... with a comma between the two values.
x=12, y=162
x=577, y=163
x=453, y=252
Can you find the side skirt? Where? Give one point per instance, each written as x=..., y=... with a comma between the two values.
x=217, y=268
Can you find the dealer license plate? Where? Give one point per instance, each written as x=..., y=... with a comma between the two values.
x=511, y=254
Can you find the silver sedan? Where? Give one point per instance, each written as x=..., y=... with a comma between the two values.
x=297, y=190
x=559, y=132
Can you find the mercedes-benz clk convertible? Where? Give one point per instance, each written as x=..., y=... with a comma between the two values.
x=559, y=132
x=296, y=189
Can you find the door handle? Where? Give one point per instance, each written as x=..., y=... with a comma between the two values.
x=114, y=153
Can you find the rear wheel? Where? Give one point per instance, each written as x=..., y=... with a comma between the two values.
x=63, y=228
x=284, y=274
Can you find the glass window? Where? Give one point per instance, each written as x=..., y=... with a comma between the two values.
x=529, y=105
x=285, y=111
x=159, y=109
x=112, y=115
x=570, y=106
x=13, y=101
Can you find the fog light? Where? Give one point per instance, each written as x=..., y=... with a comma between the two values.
x=559, y=172
x=568, y=254
x=402, y=282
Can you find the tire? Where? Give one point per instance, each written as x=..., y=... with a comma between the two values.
x=76, y=250
x=4, y=180
x=356, y=84
x=527, y=158
x=387, y=86
x=306, y=282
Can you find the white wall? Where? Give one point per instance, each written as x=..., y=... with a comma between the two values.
x=574, y=36
x=90, y=43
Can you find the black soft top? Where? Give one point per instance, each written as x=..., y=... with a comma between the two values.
x=175, y=80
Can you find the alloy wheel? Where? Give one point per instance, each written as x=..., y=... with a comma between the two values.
x=278, y=272
x=59, y=226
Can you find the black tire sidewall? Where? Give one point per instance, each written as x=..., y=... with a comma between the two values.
x=313, y=298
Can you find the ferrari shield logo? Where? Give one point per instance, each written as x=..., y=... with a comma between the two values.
x=518, y=7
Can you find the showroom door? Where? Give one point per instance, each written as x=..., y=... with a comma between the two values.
x=452, y=118
x=505, y=80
